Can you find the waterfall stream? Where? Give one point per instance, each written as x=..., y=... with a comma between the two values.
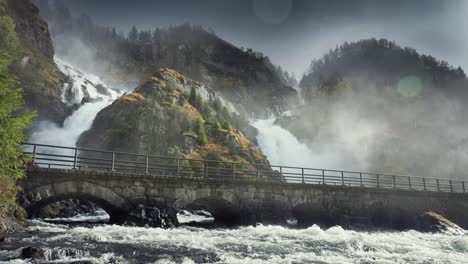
x=85, y=90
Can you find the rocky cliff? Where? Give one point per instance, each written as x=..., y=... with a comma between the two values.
x=170, y=114
x=37, y=73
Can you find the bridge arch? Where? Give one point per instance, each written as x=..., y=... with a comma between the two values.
x=115, y=205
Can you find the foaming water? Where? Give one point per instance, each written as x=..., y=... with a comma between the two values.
x=259, y=244
x=201, y=216
x=94, y=217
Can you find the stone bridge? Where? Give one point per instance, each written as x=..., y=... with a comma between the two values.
x=242, y=201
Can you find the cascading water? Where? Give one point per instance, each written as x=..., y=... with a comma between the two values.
x=85, y=90
x=280, y=146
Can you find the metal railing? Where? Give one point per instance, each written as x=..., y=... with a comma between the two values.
x=50, y=156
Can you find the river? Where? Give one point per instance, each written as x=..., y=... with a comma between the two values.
x=102, y=243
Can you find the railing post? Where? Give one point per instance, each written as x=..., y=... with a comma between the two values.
x=342, y=178
x=451, y=188
x=424, y=183
x=75, y=159
x=394, y=182
x=113, y=162
x=323, y=177
x=378, y=181
x=438, y=186
x=360, y=179
x=146, y=164
x=178, y=167
x=281, y=174
x=409, y=182
x=302, y=173
x=258, y=173
x=233, y=174
x=34, y=154
x=205, y=169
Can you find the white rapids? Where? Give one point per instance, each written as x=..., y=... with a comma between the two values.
x=259, y=244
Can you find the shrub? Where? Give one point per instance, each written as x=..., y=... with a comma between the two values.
x=200, y=130
x=12, y=123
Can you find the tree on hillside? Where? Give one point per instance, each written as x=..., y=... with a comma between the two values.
x=12, y=122
x=133, y=34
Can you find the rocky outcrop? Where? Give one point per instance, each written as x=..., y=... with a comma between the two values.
x=170, y=114
x=66, y=209
x=38, y=75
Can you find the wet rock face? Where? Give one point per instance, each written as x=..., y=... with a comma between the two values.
x=145, y=216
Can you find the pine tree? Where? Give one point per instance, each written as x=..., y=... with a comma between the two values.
x=133, y=34
x=192, y=96
x=12, y=122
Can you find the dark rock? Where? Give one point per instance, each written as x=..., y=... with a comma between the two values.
x=66, y=209
x=145, y=216
x=2, y=234
x=102, y=90
x=32, y=253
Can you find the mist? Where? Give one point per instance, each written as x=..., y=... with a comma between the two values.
x=374, y=130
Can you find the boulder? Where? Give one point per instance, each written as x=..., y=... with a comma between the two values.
x=434, y=222
x=32, y=253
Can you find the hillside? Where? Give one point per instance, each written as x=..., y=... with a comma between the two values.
x=170, y=114
x=245, y=77
x=37, y=73
x=383, y=63
x=381, y=107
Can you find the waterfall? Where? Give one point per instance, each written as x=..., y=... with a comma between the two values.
x=85, y=90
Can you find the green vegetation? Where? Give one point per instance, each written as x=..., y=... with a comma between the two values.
x=12, y=123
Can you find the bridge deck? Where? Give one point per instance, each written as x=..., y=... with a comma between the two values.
x=48, y=156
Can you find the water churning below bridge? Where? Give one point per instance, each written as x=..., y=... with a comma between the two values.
x=100, y=243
